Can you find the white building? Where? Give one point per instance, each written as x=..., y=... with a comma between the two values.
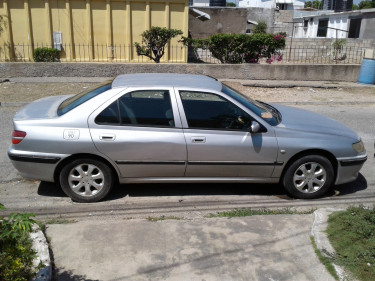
x=280, y=4
x=328, y=24
x=199, y=3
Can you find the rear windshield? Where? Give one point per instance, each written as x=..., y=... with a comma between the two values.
x=82, y=97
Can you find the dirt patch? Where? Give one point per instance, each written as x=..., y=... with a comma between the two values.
x=306, y=94
x=27, y=92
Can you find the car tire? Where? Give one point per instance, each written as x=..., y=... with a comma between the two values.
x=308, y=177
x=86, y=180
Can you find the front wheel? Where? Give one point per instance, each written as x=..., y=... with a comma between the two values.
x=86, y=180
x=308, y=177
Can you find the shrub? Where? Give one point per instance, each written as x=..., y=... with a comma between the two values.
x=154, y=42
x=16, y=254
x=261, y=27
x=240, y=48
x=46, y=55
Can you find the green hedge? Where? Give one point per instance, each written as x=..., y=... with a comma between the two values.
x=241, y=48
x=46, y=55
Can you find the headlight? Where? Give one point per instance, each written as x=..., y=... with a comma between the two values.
x=358, y=146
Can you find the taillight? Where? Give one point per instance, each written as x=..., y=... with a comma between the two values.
x=18, y=136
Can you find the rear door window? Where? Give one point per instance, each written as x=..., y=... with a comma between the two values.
x=140, y=108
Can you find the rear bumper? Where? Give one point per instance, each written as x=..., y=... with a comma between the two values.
x=348, y=168
x=38, y=166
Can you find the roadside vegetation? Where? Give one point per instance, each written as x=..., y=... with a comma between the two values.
x=326, y=261
x=352, y=235
x=16, y=253
x=162, y=218
x=154, y=42
x=256, y=212
x=241, y=48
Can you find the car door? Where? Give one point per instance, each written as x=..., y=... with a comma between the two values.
x=141, y=132
x=219, y=142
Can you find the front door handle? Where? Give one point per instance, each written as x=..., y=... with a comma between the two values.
x=107, y=137
x=198, y=139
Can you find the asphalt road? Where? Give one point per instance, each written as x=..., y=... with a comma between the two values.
x=185, y=200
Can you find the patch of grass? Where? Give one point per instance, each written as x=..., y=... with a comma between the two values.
x=256, y=212
x=327, y=262
x=60, y=221
x=352, y=235
x=162, y=218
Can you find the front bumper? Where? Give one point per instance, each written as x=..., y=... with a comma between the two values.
x=348, y=168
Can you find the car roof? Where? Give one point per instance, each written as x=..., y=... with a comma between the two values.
x=166, y=80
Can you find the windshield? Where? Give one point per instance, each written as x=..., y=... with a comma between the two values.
x=263, y=110
x=82, y=97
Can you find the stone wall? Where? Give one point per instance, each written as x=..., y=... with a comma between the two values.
x=283, y=21
x=320, y=50
x=307, y=72
x=234, y=20
x=261, y=14
x=368, y=27
x=311, y=42
x=223, y=20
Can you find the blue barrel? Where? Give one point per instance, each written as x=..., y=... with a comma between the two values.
x=367, y=73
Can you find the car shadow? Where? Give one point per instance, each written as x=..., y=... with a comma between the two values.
x=349, y=188
x=202, y=189
x=193, y=189
x=50, y=189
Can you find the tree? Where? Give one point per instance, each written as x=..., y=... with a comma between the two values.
x=261, y=27
x=366, y=4
x=154, y=42
x=231, y=4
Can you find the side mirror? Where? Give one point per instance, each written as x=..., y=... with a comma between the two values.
x=255, y=127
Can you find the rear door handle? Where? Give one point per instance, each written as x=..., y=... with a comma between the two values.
x=107, y=137
x=198, y=139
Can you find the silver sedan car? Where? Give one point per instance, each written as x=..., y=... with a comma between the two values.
x=152, y=128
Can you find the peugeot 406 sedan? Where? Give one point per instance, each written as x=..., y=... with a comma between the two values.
x=147, y=128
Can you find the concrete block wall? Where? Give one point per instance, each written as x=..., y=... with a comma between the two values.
x=283, y=21
x=312, y=42
x=301, y=72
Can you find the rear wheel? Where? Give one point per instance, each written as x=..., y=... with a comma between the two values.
x=86, y=180
x=309, y=177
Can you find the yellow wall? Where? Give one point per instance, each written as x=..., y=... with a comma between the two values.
x=92, y=30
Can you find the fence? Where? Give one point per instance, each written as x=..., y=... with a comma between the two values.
x=176, y=54
x=91, y=53
x=298, y=54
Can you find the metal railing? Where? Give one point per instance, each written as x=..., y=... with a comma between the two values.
x=177, y=53
x=297, y=54
x=91, y=53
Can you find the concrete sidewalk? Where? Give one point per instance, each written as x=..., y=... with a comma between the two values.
x=269, y=247
x=249, y=83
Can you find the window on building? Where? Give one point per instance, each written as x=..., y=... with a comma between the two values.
x=322, y=28
x=305, y=23
x=283, y=6
x=354, y=28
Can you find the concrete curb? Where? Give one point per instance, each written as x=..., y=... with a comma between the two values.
x=40, y=245
x=318, y=231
